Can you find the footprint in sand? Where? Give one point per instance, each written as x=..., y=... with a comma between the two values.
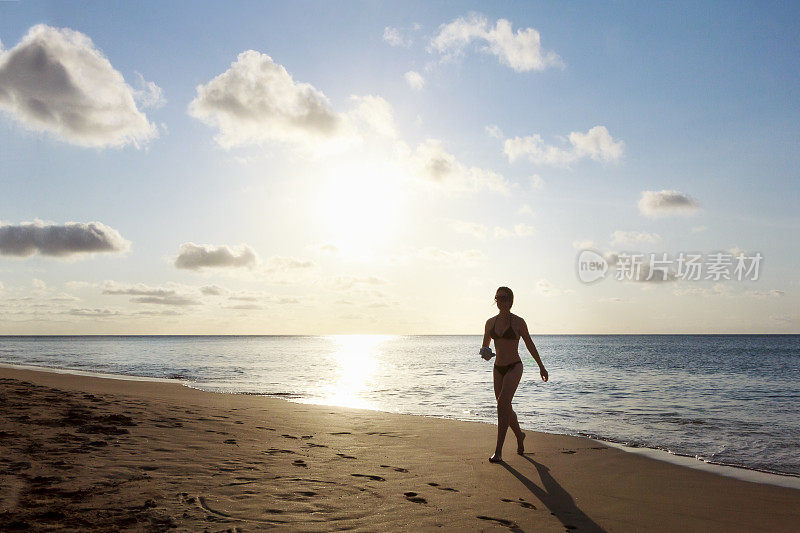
x=344, y=456
x=521, y=503
x=568, y=451
x=341, y=433
x=412, y=497
x=268, y=429
x=508, y=523
x=395, y=468
x=299, y=462
x=288, y=436
x=274, y=451
x=370, y=476
x=230, y=441
x=312, y=445
x=449, y=489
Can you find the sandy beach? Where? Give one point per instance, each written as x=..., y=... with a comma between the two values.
x=87, y=453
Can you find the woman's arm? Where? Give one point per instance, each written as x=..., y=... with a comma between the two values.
x=486, y=333
x=532, y=348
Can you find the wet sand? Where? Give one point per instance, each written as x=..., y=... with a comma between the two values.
x=86, y=453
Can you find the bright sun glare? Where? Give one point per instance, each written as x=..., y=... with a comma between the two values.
x=359, y=207
x=356, y=356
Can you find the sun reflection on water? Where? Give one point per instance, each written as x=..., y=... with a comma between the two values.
x=356, y=359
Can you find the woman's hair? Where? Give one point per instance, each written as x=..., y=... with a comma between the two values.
x=507, y=291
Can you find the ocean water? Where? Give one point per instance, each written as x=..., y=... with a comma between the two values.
x=725, y=399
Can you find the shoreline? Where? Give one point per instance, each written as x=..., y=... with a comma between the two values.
x=733, y=471
x=84, y=452
x=742, y=473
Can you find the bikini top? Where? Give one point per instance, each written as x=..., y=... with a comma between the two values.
x=508, y=334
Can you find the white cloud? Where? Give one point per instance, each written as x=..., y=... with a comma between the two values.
x=197, y=256
x=699, y=229
x=373, y=113
x=256, y=101
x=148, y=94
x=582, y=245
x=521, y=51
x=596, y=144
x=634, y=237
x=663, y=203
x=525, y=209
x=537, y=182
x=494, y=131
x=433, y=164
x=394, y=37
x=414, y=80
x=212, y=290
x=56, y=81
x=171, y=295
x=63, y=241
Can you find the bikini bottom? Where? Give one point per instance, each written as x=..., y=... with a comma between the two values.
x=504, y=369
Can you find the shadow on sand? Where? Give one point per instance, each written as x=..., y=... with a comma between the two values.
x=558, y=500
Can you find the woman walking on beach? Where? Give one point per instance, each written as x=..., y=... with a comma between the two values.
x=507, y=366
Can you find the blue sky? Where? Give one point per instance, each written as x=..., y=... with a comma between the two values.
x=700, y=100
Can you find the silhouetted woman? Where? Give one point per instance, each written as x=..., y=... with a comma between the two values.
x=506, y=330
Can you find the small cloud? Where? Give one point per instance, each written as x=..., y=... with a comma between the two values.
x=148, y=94
x=211, y=290
x=431, y=163
x=256, y=100
x=394, y=37
x=150, y=295
x=414, y=80
x=596, y=144
x=521, y=51
x=525, y=209
x=62, y=241
x=698, y=229
x=634, y=237
x=166, y=300
x=583, y=245
x=195, y=257
x=537, y=183
x=663, y=203
x=494, y=131
x=94, y=313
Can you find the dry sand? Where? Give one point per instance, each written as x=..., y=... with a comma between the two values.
x=83, y=453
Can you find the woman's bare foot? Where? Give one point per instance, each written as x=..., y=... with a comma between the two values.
x=496, y=458
x=520, y=445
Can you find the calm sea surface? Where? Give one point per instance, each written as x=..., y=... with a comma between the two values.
x=728, y=399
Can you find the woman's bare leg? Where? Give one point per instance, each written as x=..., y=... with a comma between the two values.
x=504, y=410
x=513, y=423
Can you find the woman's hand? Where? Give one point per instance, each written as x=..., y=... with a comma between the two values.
x=543, y=373
x=486, y=353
